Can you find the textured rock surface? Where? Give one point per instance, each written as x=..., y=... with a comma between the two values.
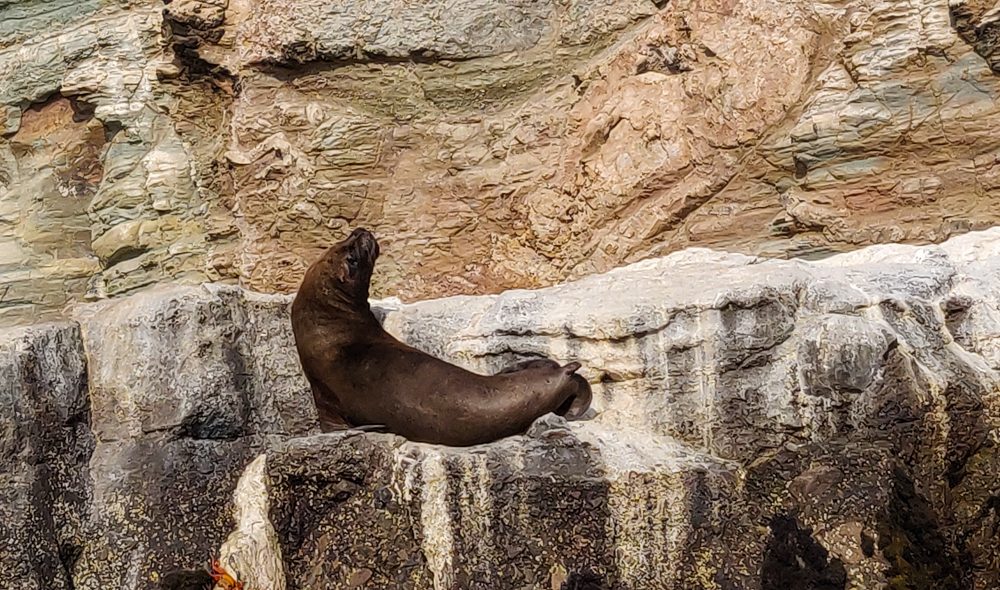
x=45, y=444
x=120, y=471
x=750, y=359
x=537, y=512
x=186, y=387
x=492, y=145
x=761, y=424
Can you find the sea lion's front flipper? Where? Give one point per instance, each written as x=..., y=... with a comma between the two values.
x=370, y=428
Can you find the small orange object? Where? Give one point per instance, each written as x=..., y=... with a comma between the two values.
x=223, y=578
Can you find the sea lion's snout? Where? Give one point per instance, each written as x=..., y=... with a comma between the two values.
x=363, y=242
x=358, y=232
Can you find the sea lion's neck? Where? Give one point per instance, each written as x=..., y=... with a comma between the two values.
x=323, y=302
x=337, y=308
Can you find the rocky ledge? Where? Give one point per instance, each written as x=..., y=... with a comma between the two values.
x=759, y=424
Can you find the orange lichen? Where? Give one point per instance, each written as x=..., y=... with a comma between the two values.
x=222, y=578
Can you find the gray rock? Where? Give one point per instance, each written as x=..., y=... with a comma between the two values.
x=847, y=429
x=279, y=32
x=739, y=354
x=45, y=443
x=119, y=470
x=186, y=387
x=201, y=362
x=759, y=424
x=556, y=507
x=160, y=504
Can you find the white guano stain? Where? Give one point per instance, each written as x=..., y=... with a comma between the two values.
x=438, y=542
x=252, y=552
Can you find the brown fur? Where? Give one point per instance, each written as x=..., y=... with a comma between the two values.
x=361, y=375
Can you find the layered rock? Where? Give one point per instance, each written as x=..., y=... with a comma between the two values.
x=186, y=387
x=492, y=146
x=118, y=471
x=857, y=395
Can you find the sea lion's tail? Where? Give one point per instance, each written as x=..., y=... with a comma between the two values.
x=578, y=402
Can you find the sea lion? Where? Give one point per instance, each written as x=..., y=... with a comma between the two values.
x=362, y=376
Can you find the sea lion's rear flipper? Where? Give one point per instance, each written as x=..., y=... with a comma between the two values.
x=571, y=367
x=578, y=402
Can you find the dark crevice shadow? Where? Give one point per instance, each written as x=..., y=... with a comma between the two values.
x=795, y=560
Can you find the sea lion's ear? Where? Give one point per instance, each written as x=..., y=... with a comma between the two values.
x=335, y=265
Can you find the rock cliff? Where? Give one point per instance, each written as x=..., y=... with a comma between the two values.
x=760, y=424
x=491, y=145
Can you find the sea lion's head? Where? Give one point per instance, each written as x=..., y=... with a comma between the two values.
x=344, y=272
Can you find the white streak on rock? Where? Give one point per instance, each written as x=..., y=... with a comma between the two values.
x=252, y=552
x=438, y=543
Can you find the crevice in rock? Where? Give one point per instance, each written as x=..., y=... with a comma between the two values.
x=956, y=311
x=186, y=34
x=666, y=59
x=911, y=540
x=585, y=580
x=794, y=559
x=125, y=252
x=978, y=24
x=186, y=580
x=968, y=431
x=68, y=556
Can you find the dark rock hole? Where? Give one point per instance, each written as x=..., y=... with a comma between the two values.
x=585, y=580
x=795, y=560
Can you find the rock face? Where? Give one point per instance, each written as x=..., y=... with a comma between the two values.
x=45, y=444
x=119, y=471
x=557, y=508
x=760, y=424
x=491, y=145
x=835, y=427
x=186, y=387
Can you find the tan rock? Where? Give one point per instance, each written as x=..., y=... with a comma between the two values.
x=493, y=145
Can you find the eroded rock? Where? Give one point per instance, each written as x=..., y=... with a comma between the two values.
x=857, y=428
x=45, y=444
x=491, y=145
x=559, y=505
